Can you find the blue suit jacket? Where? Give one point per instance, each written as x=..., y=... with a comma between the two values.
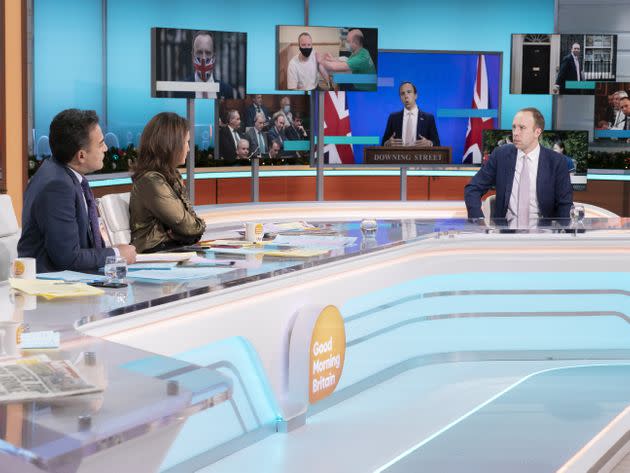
x=55, y=224
x=250, y=114
x=426, y=127
x=553, y=184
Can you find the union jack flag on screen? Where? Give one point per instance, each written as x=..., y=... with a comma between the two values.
x=473, y=149
x=337, y=123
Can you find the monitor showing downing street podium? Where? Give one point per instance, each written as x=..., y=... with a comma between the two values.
x=457, y=95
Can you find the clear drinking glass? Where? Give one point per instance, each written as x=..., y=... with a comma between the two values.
x=115, y=269
x=577, y=213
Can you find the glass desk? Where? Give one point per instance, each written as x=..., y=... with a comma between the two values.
x=140, y=397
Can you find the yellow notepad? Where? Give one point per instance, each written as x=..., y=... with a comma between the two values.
x=53, y=289
x=296, y=253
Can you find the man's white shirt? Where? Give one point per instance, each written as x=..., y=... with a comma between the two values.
x=534, y=211
x=410, y=115
x=302, y=75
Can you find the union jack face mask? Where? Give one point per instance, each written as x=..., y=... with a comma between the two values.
x=204, y=67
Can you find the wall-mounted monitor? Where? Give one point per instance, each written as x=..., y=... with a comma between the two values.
x=571, y=143
x=326, y=58
x=612, y=113
x=275, y=127
x=456, y=94
x=198, y=63
x=567, y=64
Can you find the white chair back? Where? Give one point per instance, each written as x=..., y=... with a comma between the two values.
x=9, y=235
x=487, y=206
x=114, y=210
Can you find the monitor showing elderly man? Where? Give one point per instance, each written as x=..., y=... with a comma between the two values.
x=196, y=64
x=326, y=58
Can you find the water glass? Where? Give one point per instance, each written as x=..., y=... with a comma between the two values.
x=577, y=213
x=115, y=269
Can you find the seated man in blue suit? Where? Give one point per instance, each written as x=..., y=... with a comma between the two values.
x=532, y=182
x=411, y=126
x=59, y=219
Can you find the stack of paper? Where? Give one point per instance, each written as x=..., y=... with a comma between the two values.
x=176, y=274
x=71, y=276
x=53, y=289
x=40, y=378
x=164, y=257
x=314, y=241
x=297, y=252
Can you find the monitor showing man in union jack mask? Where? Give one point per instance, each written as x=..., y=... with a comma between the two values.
x=198, y=63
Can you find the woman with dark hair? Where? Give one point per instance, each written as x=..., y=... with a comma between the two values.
x=161, y=217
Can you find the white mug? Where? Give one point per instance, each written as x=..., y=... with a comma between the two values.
x=23, y=268
x=254, y=231
x=9, y=334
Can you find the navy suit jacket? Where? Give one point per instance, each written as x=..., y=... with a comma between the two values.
x=274, y=135
x=567, y=72
x=55, y=225
x=426, y=127
x=250, y=114
x=227, y=147
x=553, y=184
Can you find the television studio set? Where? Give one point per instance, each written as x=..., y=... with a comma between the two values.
x=352, y=237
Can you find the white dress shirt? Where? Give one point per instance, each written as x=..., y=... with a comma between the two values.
x=410, y=115
x=577, y=67
x=620, y=121
x=533, y=157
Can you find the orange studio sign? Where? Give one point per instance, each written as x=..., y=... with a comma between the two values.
x=327, y=353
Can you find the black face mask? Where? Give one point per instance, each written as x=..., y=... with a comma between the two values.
x=306, y=52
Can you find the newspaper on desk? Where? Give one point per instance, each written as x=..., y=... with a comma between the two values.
x=38, y=377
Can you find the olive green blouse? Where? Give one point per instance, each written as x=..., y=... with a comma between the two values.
x=161, y=213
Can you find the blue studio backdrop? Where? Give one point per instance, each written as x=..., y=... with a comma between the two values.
x=96, y=53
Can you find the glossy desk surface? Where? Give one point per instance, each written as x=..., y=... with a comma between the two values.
x=50, y=433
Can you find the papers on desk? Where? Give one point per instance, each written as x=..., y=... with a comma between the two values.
x=53, y=289
x=176, y=274
x=155, y=265
x=164, y=257
x=297, y=252
x=314, y=241
x=287, y=226
x=71, y=276
x=38, y=377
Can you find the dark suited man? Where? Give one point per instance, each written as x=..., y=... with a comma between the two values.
x=570, y=69
x=411, y=126
x=276, y=132
x=532, y=182
x=256, y=137
x=275, y=150
x=254, y=108
x=295, y=130
x=229, y=136
x=60, y=219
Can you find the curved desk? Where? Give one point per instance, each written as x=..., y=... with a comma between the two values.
x=443, y=319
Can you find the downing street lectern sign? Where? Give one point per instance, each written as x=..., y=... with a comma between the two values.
x=406, y=155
